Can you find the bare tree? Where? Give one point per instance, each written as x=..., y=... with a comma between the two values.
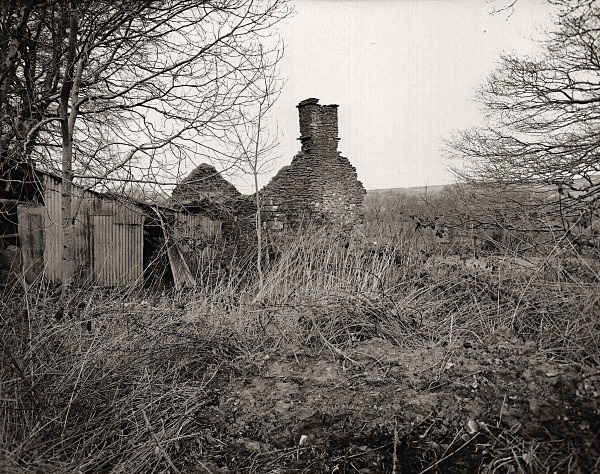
x=254, y=144
x=543, y=118
x=130, y=91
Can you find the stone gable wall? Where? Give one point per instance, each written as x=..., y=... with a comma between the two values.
x=319, y=184
x=204, y=182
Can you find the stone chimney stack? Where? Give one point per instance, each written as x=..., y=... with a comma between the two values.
x=318, y=127
x=320, y=184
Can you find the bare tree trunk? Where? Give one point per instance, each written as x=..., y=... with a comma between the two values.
x=259, y=251
x=66, y=125
x=9, y=51
x=255, y=161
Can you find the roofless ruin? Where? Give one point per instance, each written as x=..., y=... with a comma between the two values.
x=116, y=237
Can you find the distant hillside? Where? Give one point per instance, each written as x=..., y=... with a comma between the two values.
x=549, y=190
x=414, y=191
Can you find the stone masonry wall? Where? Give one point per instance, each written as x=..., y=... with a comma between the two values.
x=204, y=182
x=319, y=184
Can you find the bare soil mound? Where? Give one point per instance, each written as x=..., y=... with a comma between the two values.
x=496, y=406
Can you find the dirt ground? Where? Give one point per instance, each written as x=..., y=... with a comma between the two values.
x=496, y=406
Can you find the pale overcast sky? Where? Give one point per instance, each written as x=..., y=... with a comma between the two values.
x=403, y=72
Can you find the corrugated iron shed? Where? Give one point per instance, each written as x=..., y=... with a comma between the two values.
x=109, y=237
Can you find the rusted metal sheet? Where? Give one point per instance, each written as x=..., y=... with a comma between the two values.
x=180, y=270
x=194, y=226
x=182, y=276
x=118, y=251
x=31, y=240
x=196, y=235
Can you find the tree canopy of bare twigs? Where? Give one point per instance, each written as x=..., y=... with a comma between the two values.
x=138, y=87
x=543, y=115
x=109, y=92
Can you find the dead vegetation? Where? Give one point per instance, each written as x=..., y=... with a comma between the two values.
x=355, y=359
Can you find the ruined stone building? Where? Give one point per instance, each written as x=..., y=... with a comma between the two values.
x=120, y=241
x=202, y=183
x=213, y=218
x=319, y=184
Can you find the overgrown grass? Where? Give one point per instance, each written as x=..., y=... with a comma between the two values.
x=127, y=396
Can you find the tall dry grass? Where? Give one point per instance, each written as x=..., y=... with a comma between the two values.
x=129, y=395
